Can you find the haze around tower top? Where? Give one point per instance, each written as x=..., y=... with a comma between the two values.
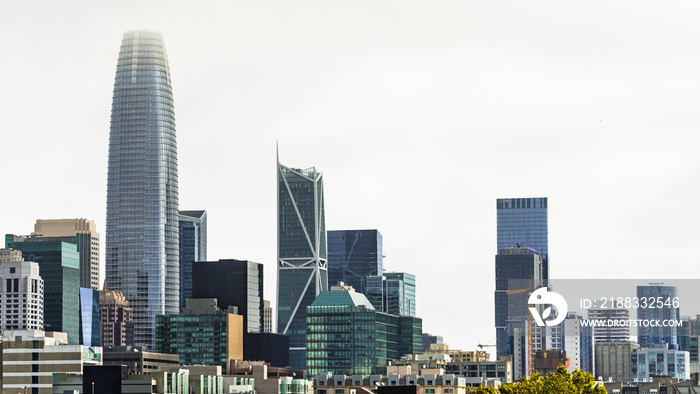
x=420, y=115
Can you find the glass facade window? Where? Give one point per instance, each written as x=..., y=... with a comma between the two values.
x=393, y=292
x=523, y=221
x=193, y=247
x=301, y=253
x=353, y=255
x=142, y=234
x=648, y=335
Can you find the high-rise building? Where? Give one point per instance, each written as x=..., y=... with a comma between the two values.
x=21, y=293
x=236, y=283
x=353, y=255
x=347, y=335
x=616, y=332
x=393, y=292
x=523, y=221
x=116, y=324
x=89, y=317
x=301, y=253
x=202, y=335
x=267, y=317
x=658, y=303
x=59, y=268
x=518, y=273
x=142, y=235
x=193, y=247
x=81, y=232
x=612, y=360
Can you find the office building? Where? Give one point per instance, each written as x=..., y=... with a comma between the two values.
x=59, y=268
x=81, y=232
x=269, y=347
x=89, y=317
x=616, y=332
x=523, y=221
x=612, y=360
x=267, y=317
x=142, y=233
x=193, y=247
x=663, y=307
x=29, y=360
x=21, y=293
x=347, y=335
x=272, y=380
x=397, y=381
x=429, y=339
x=116, y=323
x=202, y=335
x=353, y=255
x=393, y=293
x=518, y=273
x=138, y=361
x=575, y=339
x=236, y=283
x=302, y=272
x=659, y=360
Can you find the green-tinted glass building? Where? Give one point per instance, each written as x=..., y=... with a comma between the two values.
x=59, y=266
x=346, y=335
x=302, y=272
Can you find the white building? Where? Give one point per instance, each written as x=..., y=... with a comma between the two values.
x=21, y=293
x=659, y=360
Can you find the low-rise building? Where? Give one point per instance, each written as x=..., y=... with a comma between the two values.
x=659, y=360
x=137, y=361
x=439, y=383
x=270, y=380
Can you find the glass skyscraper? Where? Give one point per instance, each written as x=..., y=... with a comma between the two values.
x=301, y=253
x=662, y=307
x=523, y=221
x=353, y=255
x=142, y=189
x=193, y=247
x=393, y=292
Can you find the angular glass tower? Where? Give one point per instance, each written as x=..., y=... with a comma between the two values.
x=523, y=221
x=353, y=255
x=301, y=253
x=193, y=247
x=142, y=190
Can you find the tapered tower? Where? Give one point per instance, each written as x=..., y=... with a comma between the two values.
x=142, y=190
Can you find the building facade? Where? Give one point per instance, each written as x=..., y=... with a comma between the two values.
x=610, y=332
x=236, y=283
x=302, y=271
x=90, y=317
x=60, y=269
x=658, y=303
x=267, y=317
x=116, y=323
x=523, y=221
x=193, y=247
x=21, y=293
x=202, y=335
x=142, y=233
x=81, y=232
x=353, y=255
x=393, y=293
x=613, y=360
x=346, y=335
x=659, y=360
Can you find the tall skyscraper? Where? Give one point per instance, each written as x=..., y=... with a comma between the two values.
x=142, y=240
x=523, y=221
x=663, y=307
x=81, y=232
x=193, y=247
x=302, y=271
x=116, y=324
x=353, y=255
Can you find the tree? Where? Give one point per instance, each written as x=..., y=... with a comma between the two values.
x=559, y=382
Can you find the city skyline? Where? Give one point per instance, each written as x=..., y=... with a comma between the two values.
x=419, y=115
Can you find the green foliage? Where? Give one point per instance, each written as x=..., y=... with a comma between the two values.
x=559, y=382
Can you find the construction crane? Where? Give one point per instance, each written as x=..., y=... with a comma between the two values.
x=481, y=346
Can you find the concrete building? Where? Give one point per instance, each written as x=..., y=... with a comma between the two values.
x=113, y=380
x=393, y=293
x=116, y=324
x=302, y=269
x=193, y=247
x=202, y=334
x=573, y=337
x=21, y=293
x=29, y=360
x=345, y=334
x=437, y=383
x=548, y=361
x=659, y=360
x=612, y=360
x=270, y=380
x=59, y=267
x=138, y=361
x=83, y=233
x=353, y=255
x=610, y=332
x=267, y=317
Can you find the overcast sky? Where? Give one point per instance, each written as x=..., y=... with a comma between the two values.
x=420, y=114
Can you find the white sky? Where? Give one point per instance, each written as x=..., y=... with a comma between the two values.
x=420, y=114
